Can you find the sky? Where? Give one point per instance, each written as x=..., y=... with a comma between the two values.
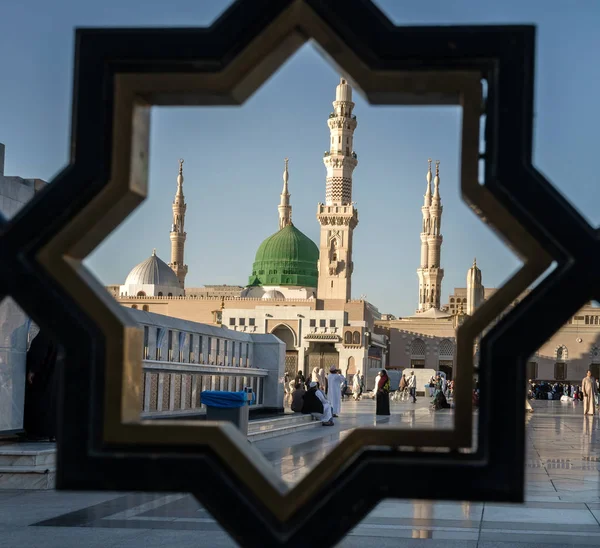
x=234, y=155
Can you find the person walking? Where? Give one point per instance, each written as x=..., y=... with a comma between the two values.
x=382, y=397
x=588, y=387
x=403, y=387
x=335, y=380
x=356, y=387
x=412, y=386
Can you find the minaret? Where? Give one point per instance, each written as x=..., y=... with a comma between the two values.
x=337, y=216
x=430, y=274
x=285, y=209
x=177, y=231
x=475, y=289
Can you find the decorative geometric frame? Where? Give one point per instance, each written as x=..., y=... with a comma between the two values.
x=102, y=443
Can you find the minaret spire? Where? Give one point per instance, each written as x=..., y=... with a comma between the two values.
x=337, y=216
x=285, y=209
x=429, y=272
x=178, y=234
x=427, y=202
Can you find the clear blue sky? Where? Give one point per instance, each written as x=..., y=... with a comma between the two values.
x=234, y=156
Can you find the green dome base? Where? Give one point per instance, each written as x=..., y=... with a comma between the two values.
x=288, y=258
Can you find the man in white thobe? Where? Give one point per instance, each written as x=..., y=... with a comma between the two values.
x=326, y=416
x=334, y=390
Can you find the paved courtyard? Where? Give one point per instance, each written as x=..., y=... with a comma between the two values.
x=562, y=505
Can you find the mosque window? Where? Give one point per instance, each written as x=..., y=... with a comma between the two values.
x=560, y=371
x=348, y=337
x=446, y=348
x=242, y=321
x=331, y=323
x=417, y=347
x=146, y=338
x=561, y=353
x=231, y=321
x=141, y=294
x=313, y=323
x=251, y=321
x=160, y=294
x=170, y=346
x=452, y=300
x=356, y=337
x=145, y=307
x=321, y=323
x=464, y=300
x=134, y=306
x=170, y=295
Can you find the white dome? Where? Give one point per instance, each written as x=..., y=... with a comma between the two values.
x=152, y=271
x=273, y=294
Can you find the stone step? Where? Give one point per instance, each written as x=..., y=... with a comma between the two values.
x=263, y=425
x=283, y=428
x=28, y=454
x=27, y=477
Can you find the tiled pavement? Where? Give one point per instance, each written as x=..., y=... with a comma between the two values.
x=562, y=506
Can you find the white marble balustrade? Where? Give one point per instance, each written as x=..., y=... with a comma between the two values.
x=183, y=358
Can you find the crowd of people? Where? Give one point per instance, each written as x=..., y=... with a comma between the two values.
x=321, y=395
x=586, y=392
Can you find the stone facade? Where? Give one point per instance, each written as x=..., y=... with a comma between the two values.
x=15, y=192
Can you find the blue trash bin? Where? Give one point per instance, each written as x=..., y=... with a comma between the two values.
x=228, y=406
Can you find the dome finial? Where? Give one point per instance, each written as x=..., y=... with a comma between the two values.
x=285, y=171
x=475, y=261
x=154, y=252
x=180, y=176
x=429, y=171
x=436, y=181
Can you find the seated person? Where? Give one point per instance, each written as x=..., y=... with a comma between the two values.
x=317, y=405
x=297, y=398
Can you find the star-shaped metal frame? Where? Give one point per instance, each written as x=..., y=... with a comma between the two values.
x=119, y=75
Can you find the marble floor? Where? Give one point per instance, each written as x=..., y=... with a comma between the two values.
x=562, y=505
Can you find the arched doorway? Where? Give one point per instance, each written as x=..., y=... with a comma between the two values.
x=285, y=334
x=446, y=357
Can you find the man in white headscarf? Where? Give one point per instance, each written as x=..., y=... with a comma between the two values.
x=317, y=405
x=334, y=389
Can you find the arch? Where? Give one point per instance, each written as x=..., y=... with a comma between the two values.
x=146, y=308
x=356, y=337
x=595, y=354
x=160, y=294
x=464, y=301
x=134, y=306
x=561, y=353
x=141, y=294
x=286, y=334
x=170, y=295
x=348, y=337
x=446, y=348
x=417, y=348
x=451, y=299
x=351, y=368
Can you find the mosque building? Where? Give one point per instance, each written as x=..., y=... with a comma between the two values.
x=302, y=292
x=296, y=290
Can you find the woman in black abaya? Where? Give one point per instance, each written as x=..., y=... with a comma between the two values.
x=41, y=390
x=383, y=394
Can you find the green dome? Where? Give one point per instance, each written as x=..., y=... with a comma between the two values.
x=288, y=257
